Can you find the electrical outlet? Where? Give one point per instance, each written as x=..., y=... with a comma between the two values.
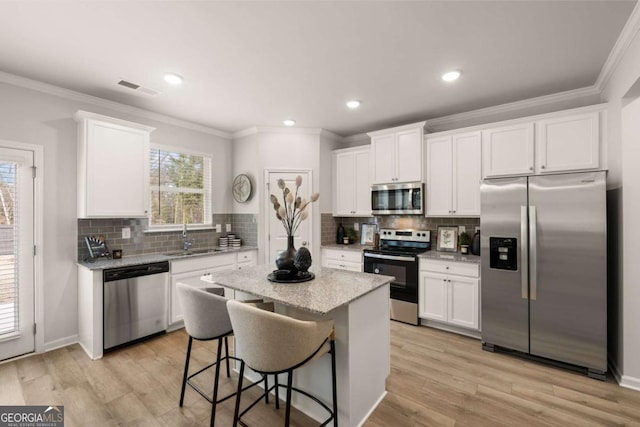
x=228, y=228
x=356, y=226
x=126, y=233
x=218, y=228
x=462, y=229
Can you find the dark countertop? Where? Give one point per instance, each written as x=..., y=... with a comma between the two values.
x=126, y=261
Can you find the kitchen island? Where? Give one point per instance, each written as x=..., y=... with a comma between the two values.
x=359, y=305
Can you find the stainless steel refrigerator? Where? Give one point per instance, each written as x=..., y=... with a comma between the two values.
x=544, y=271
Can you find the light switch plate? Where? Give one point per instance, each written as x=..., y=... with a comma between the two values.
x=126, y=233
x=218, y=228
x=228, y=228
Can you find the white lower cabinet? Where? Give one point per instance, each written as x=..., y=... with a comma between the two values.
x=190, y=270
x=449, y=293
x=349, y=260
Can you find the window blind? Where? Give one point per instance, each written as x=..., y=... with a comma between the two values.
x=9, y=318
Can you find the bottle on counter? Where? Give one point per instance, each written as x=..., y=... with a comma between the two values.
x=340, y=235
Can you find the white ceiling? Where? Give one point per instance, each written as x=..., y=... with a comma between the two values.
x=256, y=63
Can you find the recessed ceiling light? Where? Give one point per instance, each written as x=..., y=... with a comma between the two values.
x=354, y=103
x=289, y=122
x=451, y=76
x=173, y=79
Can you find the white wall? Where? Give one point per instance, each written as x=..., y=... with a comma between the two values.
x=34, y=117
x=624, y=186
x=284, y=148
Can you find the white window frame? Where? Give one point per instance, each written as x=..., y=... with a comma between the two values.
x=208, y=179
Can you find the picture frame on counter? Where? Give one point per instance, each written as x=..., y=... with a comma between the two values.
x=447, y=238
x=367, y=234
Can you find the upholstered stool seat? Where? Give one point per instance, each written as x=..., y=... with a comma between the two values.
x=206, y=318
x=270, y=343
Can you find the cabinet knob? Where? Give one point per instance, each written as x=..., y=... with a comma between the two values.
x=530, y=168
x=447, y=267
x=304, y=243
x=542, y=167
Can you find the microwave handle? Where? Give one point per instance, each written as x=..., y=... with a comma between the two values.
x=411, y=199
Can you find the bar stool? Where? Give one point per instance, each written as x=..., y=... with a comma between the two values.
x=206, y=318
x=271, y=343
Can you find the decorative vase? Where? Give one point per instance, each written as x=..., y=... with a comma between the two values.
x=285, y=259
x=302, y=260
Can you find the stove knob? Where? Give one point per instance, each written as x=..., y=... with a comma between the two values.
x=376, y=271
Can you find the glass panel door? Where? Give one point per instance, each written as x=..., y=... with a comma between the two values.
x=16, y=253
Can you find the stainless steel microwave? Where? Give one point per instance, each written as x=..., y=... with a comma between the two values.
x=395, y=199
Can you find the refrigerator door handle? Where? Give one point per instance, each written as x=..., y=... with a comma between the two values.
x=533, y=262
x=524, y=249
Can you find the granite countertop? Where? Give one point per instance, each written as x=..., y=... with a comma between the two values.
x=450, y=256
x=329, y=290
x=354, y=247
x=126, y=261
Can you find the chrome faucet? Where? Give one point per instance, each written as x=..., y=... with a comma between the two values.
x=185, y=243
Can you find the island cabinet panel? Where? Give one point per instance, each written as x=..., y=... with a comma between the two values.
x=113, y=167
x=352, y=183
x=397, y=154
x=449, y=293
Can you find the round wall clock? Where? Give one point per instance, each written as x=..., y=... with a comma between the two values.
x=241, y=188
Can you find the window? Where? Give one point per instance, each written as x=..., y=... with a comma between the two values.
x=180, y=188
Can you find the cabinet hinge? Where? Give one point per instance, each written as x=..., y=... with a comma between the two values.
x=34, y=250
x=34, y=329
x=33, y=171
x=268, y=237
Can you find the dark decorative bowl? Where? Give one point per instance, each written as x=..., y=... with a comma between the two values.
x=282, y=274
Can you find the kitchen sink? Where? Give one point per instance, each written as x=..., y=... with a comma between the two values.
x=193, y=252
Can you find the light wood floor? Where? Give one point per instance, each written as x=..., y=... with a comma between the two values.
x=437, y=379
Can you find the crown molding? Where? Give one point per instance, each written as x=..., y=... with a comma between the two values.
x=285, y=130
x=397, y=128
x=628, y=33
x=50, y=89
x=569, y=95
x=354, y=139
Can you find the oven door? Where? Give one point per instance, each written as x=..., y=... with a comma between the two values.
x=403, y=268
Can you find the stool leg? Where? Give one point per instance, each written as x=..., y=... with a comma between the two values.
x=226, y=351
x=215, y=384
x=277, y=392
x=287, y=416
x=333, y=382
x=238, y=395
x=266, y=389
x=186, y=371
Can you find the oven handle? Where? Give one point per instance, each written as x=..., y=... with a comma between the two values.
x=390, y=257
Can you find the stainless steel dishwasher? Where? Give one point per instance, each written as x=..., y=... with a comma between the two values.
x=135, y=302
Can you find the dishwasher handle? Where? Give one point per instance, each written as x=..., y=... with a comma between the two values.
x=113, y=274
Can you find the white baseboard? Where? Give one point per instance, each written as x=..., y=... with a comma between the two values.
x=451, y=328
x=373, y=408
x=613, y=369
x=62, y=342
x=630, y=382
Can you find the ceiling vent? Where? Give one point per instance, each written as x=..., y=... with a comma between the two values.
x=138, y=88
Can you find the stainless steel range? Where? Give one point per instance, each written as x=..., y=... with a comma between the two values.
x=397, y=256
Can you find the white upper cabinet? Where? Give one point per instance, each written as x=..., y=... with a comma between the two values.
x=113, y=167
x=352, y=190
x=397, y=154
x=562, y=142
x=453, y=175
x=568, y=143
x=508, y=150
